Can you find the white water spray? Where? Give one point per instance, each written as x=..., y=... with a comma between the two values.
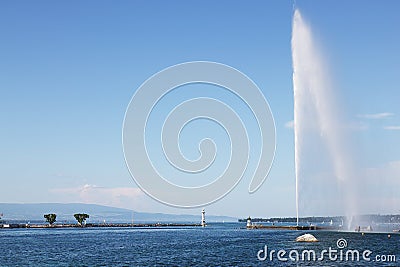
x=322, y=158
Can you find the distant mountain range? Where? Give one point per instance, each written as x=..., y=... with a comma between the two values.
x=98, y=213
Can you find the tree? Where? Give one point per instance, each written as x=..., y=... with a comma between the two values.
x=81, y=217
x=50, y=218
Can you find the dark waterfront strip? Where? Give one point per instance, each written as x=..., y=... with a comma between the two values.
x=91, y=225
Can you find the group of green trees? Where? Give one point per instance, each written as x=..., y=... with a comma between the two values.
x=80, y=217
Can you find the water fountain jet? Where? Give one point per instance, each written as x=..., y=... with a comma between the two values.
x=319, y=130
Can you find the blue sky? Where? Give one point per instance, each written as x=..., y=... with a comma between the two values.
x=69, y=69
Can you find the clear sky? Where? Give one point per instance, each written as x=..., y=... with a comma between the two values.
x=69, y=68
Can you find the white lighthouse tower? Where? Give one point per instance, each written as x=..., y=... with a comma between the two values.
x=203, y=218
x=248, y=225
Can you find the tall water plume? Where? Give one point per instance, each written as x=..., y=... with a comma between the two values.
x=325, y=180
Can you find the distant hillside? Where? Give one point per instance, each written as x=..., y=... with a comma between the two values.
x=98, y=213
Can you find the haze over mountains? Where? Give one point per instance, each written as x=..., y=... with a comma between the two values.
x=98, y=213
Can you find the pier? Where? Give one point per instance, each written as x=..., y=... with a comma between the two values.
x=289, y=227
x=97, y=225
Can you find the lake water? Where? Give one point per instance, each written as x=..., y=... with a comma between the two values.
x=226, y=244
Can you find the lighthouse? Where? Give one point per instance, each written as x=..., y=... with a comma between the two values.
x=203, y=218
x=248, y=222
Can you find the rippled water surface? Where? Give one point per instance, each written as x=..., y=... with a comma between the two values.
x=215, y=245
